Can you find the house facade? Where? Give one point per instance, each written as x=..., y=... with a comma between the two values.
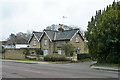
x=52, y=41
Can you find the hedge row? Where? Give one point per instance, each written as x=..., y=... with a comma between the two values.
x=83, y=56
x=55, y=57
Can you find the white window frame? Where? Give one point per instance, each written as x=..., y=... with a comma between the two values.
x=77, y=39
x=45, y=52
x=59, y=51
x=35, y=42
x=45, y=42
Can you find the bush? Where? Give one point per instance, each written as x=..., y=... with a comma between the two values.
x=39, y=51
x=55, y=57
x=83, y=56
x=26, y=52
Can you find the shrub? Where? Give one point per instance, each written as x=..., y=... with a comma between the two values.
x=39, y=51
x=83, y=56
x=55, y=57
x=26, y=52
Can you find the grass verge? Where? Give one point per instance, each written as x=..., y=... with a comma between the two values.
x=106, y=65
x=27, y=60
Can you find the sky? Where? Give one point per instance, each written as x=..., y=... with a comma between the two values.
x=35, y=15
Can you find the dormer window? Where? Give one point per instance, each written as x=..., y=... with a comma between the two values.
x=45, y=42
x=77, y=39
x=34, y=42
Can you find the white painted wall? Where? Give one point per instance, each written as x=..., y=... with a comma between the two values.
x=8, y=46
x=21, y=45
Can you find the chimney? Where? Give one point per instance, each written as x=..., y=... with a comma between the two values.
x=60, y=29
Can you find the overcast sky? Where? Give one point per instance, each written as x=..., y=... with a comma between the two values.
x=22, y=15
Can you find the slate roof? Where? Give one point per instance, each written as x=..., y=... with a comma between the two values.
x=37, y=34
x=65, y=35
x=17, y=40
x=21, y=41
x=50, y=33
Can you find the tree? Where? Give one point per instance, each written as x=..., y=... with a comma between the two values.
x=68, y=49
x=52, y=27
x=103, y=35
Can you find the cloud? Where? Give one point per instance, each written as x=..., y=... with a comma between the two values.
x=23, y=15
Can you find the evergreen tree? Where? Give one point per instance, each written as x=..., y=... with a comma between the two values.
x=103, y=35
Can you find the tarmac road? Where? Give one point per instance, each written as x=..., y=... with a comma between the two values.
x=11, y=69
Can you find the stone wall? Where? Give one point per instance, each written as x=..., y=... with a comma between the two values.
x=16, y=53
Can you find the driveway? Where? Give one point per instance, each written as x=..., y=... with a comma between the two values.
x=11, y=69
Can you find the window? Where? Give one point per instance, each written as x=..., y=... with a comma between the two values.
x=32, y=53
x=77, y=39
x=34, y=43
x=59, y=52
x=45, y=42
x=45, y=52
x=63, y=53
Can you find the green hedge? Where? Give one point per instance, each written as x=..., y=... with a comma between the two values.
x=55, y=57
x=83, y=56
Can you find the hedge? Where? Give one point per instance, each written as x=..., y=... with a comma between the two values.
x=83, y=56
x=55, y=57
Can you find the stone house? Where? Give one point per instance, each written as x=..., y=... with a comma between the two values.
x=52, y=41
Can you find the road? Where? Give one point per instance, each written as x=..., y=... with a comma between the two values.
x=49, y=70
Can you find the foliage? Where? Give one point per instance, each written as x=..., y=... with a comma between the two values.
x=68, y=49
x=83, y=56
x=26, y=36
x=54, y=57
x=106, y=65
x=39, y=51
x=55, y=27
x=103, y=35
x=26, y=52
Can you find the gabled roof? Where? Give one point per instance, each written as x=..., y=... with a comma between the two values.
x=65, y=35
x=36, y=34
x=50, y=34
